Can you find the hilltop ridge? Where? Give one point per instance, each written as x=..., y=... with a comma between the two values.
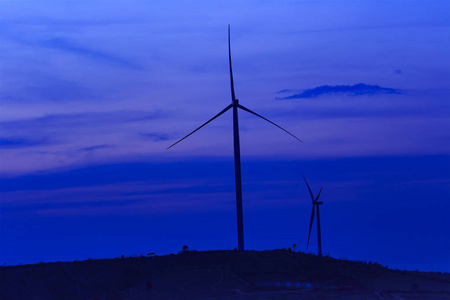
x=274, y=274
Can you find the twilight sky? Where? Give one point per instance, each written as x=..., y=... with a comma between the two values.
x=92, y=94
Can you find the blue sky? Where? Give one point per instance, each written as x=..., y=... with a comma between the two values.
x=92, y=94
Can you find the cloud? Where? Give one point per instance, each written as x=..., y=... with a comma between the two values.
x=350, y=90
x=156, y=136
x=284, y=91
x=72, y=133
x=19, y=142
x=77, y=120
x=49, y=89
x=67, y=46
x=92, y=148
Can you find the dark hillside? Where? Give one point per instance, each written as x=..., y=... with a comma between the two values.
x=277, y=274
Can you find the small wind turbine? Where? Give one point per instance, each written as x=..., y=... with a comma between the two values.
x=237, y=152
x=315, y=204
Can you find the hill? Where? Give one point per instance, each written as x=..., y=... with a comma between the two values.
x=276, y=274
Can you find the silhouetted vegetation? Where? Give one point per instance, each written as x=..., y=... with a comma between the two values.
x=212, y=274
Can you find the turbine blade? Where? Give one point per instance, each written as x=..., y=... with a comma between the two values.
x=223, y=111
x=317, y=198
x=231, y=71
x=310, y=225
x=309, y=189
x=252, y=112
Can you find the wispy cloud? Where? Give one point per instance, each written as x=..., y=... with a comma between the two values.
x=129, y=197
x=69, y=46
x=66, y=45
x=20, y=142
x=92, y=148
x=285, y=91
x=154, y=136
x=71, y=135
x=350, y=90
x=49, y=89
x=89, y=119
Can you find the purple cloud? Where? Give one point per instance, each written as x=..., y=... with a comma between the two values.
x=93, y=148
x=15, y=142
x=350, y=90
x=155, y=136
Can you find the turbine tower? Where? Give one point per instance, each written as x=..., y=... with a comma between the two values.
x=315, y=207
x=237, y=153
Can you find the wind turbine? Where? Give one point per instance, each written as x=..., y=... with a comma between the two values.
x=315, y=207
x=237, y=152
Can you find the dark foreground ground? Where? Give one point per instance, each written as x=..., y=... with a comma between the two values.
x=277, y=274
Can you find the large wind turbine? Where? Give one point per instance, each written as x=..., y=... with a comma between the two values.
x=315, y=207
x=237, y=152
